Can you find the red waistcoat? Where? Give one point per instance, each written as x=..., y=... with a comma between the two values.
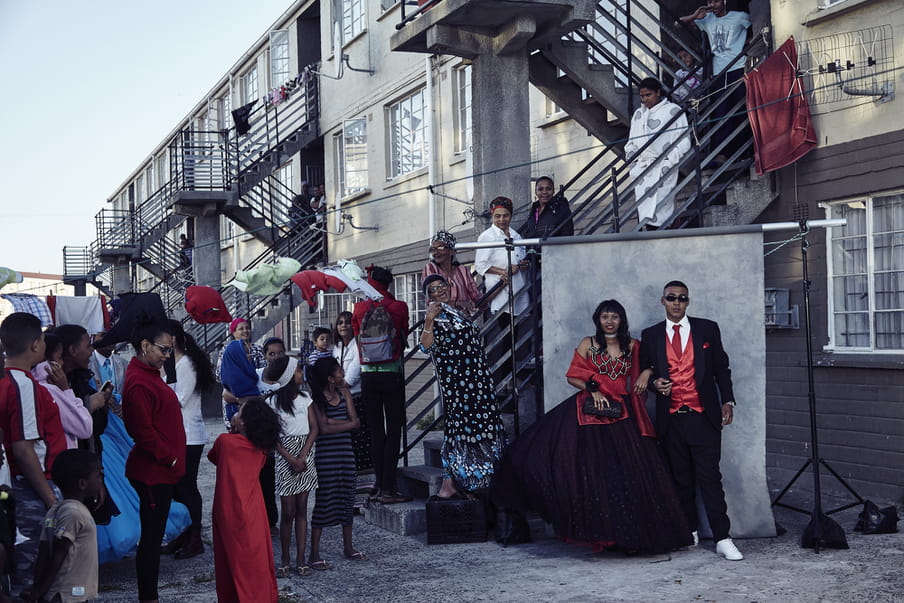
x=681, y=372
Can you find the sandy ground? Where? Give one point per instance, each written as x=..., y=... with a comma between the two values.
x=407, y=569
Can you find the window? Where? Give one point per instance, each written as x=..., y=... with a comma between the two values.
x=866, y=274
x=149, y=180
x=351, y=157
x=352, y=19
x=249, y=86
x=227, y=232
x=279, y=57
x=407, y=135
x=461, y=107
x=161, y=169
x=407, y=288
x=139, y=191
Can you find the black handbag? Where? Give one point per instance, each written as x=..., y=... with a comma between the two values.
x=614, y=411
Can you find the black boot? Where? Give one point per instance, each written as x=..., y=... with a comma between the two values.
x=193, y=547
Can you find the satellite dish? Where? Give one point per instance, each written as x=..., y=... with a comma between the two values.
x=337, y=48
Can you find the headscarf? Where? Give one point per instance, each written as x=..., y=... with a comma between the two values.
x=237, y=374
x=235, y=324
x=502, y=202
x=445, y=237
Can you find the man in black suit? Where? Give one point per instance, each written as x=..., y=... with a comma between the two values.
x=689, y=366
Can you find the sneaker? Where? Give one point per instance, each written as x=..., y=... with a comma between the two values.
x=727, y=549
x=696, y=538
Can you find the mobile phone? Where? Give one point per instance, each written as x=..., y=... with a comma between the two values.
x=108, y=385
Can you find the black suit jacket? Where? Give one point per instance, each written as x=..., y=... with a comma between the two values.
x=711, y=369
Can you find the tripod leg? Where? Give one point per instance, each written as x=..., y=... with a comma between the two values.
x=791, y=483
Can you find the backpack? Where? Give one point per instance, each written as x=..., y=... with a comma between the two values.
x=377, y=340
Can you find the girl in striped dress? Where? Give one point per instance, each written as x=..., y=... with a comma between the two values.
x=336, y=419
x=296, y=474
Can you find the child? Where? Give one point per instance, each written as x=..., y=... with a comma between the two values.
x=66, y=569
x=323, y=345
x=296, y=474
x=336, y=419
x=691, y=67
x=242, y=549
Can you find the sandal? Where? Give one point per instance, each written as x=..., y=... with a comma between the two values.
x=283, y=572
x=391, y=498
x=320, y=566
x=304, y=570
x=357, y=556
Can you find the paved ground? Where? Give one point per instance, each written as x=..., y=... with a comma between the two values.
x=406, y=569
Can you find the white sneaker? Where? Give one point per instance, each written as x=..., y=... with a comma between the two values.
x=727, y=549
x=696, y=538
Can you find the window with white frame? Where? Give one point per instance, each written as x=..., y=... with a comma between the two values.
x=227, y=232
x=225, y=112
x=352, y=19
x=249, y=86
x=866, y=274
x=407, y=288
x=408, y=148
x=351, y=157
x=461, y=107
x=279, y=57
x=161, y=169
x=149, y=181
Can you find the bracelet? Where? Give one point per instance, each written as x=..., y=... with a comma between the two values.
x=592, y=386
x=426, y=331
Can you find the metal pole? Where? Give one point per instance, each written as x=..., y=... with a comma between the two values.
x=509, y=248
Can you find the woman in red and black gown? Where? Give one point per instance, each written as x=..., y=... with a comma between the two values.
x=597, y=480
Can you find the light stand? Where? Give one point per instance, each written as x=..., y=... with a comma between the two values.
x=820, y=525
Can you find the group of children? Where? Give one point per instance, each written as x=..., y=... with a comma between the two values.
x=311, y=404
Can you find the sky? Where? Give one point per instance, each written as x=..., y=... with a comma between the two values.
x=89, y=88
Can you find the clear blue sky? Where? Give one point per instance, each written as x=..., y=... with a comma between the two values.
x=88, y=89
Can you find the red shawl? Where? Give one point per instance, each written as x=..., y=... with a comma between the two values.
x=583, y=369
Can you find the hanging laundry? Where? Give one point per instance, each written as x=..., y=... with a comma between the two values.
x=85, y=311
x=267, y=279
x=360, y=286
x=30, y=304
x=780, y=117
x=241, y=117
x=205, y=305
x=9, y=276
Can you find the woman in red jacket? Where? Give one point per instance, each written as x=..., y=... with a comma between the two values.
x=153, y=417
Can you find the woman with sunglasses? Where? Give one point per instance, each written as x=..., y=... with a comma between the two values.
x=153, y=417
x=463, y=293
x=592, y=466
x=473, y=435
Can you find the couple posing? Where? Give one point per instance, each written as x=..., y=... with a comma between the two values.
x=593, y=466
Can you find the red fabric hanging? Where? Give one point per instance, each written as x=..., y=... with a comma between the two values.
x=780, y=118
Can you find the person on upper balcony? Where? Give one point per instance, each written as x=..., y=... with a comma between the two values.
x=727, y=32
x=549, y=215
x=651, y=169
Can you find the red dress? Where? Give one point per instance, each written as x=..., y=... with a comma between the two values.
x=242, y=548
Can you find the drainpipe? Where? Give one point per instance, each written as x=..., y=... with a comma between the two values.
x=431, y=140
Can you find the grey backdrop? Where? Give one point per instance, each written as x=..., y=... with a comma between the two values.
x=724, y=273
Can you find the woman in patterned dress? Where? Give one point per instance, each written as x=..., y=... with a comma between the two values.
x=598, y=480
x=473, y=438
x=335, y=458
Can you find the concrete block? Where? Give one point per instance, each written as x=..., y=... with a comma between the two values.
x=404, y=519
x=420, y=481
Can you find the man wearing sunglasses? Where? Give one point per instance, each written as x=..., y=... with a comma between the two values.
x=694, y=400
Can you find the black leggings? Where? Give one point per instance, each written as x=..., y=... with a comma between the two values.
x=384, y=396
x=153, y=508
x=186, y=491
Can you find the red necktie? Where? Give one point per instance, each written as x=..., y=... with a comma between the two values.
x=676, y=340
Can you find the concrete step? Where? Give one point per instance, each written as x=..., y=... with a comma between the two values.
x=404, y=519
x=420, y=481
x=432, y=449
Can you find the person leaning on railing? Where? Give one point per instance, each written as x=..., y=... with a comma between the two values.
x=463, y=293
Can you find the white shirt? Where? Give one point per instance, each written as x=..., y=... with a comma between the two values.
x=351, y=364
x=297, y=424
x=190, y=399
x=497, y=257
x=684, y=331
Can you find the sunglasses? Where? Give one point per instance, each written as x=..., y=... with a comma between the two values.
x=682, y=298
x=438, y=248
x=164, y=349
x=437, y=288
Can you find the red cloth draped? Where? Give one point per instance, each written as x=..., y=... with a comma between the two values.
x=780, y=118
x=583, y=369
x=311, y=281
